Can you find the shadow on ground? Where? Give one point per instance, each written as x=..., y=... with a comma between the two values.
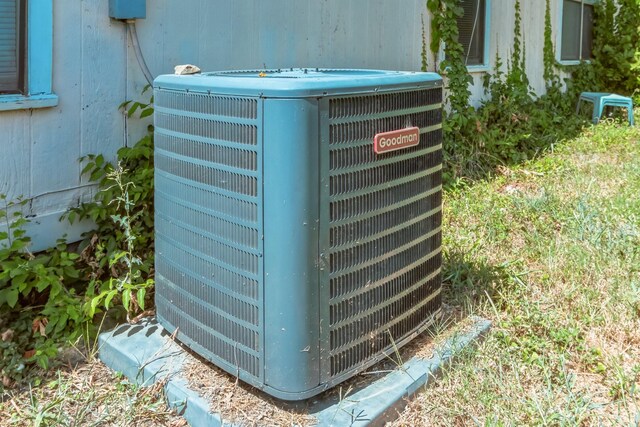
x=467, y=283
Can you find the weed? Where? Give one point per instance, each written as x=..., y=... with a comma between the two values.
x=126, y=284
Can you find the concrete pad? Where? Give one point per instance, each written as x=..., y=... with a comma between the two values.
x=145, y=353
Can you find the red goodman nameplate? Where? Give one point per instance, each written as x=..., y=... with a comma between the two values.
x=396, y=140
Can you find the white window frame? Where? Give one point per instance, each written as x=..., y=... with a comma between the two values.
x=559, y=34
x=39, y=60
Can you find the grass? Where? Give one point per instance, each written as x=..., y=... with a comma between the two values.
x=88, y=395
x=550, y=251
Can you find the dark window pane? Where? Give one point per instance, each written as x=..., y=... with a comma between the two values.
x=570, y=49
x=11, y=45
x=587, y=32
x=471, y=31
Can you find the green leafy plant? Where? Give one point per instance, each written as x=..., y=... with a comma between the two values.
x=54, y=297
x=130, y=279
x=616, y=47
x=513, y=124
x=552, y=81
x=39, y=303
x=444, y=32
x=119, y=252
x=423, y=51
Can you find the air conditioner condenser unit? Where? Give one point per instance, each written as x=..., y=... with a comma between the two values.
x=298, y=219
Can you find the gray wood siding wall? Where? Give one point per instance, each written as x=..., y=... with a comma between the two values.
x=95, y=69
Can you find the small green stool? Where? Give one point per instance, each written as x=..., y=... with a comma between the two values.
x=601, y=100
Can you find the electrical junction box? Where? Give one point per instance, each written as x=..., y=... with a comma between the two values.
x=128, y=9
x=298, y=216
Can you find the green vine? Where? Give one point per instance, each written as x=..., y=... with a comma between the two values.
x=517, y=37
x=423, y=51
x=616, y=46
x=548, y=52
x=517, y=76
x=512, y=124
x=444, y=31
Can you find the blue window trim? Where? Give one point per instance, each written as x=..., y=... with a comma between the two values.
x=39, y=60
x=559, y=35
x=485, y=66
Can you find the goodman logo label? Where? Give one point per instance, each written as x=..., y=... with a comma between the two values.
x=396, y=140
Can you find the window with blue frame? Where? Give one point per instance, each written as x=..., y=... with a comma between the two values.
x=577, y=30
x=473, y=33
x=12, y=46
x=26, y=39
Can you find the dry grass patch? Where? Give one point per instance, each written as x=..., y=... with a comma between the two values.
x=89, y=395
x=240, y=404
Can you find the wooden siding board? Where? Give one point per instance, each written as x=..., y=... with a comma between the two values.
x=278, y=45
x=244, y=45
x=151, y=33
x=534, y=38
x=58, y=201
x=278, y=34
x=56, y=132
x=15, y=151
x=103, y=85
x=180, y=41
x=215, y=43
x=502, y=28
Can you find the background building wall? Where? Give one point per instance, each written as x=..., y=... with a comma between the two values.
x=95, y=70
